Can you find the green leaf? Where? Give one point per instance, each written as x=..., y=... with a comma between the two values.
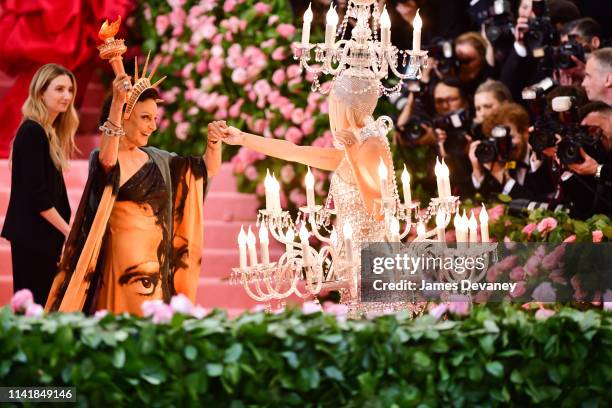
x=333, y=372
x=495, y=368
x=214, y=370
x=119, y=358
x=190, y=352
x=153, y=375
x=292, y=359
x=233, y=353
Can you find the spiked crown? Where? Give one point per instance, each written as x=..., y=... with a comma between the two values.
x=141, y=84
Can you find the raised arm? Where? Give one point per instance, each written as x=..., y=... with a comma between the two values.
x=109, y=144
x=212, y=155
x=317, y=157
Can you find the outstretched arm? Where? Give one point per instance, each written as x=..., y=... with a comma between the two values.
x=318, y=157
x=109, y=144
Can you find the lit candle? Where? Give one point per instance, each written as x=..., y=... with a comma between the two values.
x=306, y=25
x=347, y=231
x=406, y=186
x=437, y=172
x=242, y=247
x=484, y=225
x=385, y=28
x=330, y=27
x=473, y=229
x=263, y=244
x=420, y=229
x=382, y=174
x=276, y=206
x=268, y=190
x=310, y=197
x=394, y=227
x=289, y=238
x=440, y=221
x=251, y=245
x=416, y=33
x=445, y=176
x=305, y=245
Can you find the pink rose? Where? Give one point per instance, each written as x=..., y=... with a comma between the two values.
x=150, y=306
x=268, y=43
x=544, y=292
x=528, y=229
x=517, y=274
x=163, y=314
x=532, y=265
x=21, y=300
x=34, y=310
x=297, y=197
x=294, y=135
x=308, y=126
x=482, y=296
x=570, y=239
x=519, y=290
x=177, y=18
x=273, y=20
x=181, y=130
x=459, y=305
x=287, y=173
x=543, y=314
x=495, y=212
x=287, y=110
x=547, y=224
x=279, y=54
x=597, y=236
x=310, y=307
x=297, y=116
x=161, y=24
x=551, y=260
x=229, y=5
x=239, y=76
x=493, y=273
x=262, y=8
x=285, y=30
x=278, y=77
x=251, y=173
x=438, y=311
x=507, y=263
x=234, y=110
x=293, y=71
x=181, y=304
x=557, y=277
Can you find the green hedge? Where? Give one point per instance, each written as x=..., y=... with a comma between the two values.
x=491, y=358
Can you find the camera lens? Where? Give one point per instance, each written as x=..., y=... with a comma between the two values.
x=569, y=151
x=486, y=151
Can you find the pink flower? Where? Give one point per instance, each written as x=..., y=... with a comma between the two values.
x=529, y=228
x=438, y=311
x=21, y=300
x=532, y=265
x=262, y=88
x=199, y=312
x=459, y=305
x=278, y=77
x=294, y=135
x=551, y=260
x=547, y=224
x=310, y=307
x=543, y=314
x=262, y=8
x=279, y=54
x=229, y=5
x=285, y=30
x=607, y=300
x=557, y=277
x=287, y=110
x=544, y=292
x=493, y=273
x=273, y=20
x=517, y=274
x=482, y=296
x=297, y=116
x=177, y=18
x=258, y=308
x=100, y=314
x=496, y=212
x=181, y=304
x=163, y=314
x=293, y=71
x=181, y=130
x=34, y=310
x=507, y=263
x=251, y=173
x=571, y=238
x=176, y=3
x=287, y=173
x=597, y=236
x=234, y=110
x=308, y=126
x=519, y=290
x=268, y=43
x=161, y=24
x=150, y=306
x=297, y=197
x=239, y=76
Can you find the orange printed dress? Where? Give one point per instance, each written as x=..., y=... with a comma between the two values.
x=139, y=242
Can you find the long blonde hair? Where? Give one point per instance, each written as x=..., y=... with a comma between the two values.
x=343, y=116
x=61, y=132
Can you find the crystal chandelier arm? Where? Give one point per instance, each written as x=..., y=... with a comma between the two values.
x=396, y=72
x=252, y=295
x=328, y=69
x=315, y=230
x=406, y=230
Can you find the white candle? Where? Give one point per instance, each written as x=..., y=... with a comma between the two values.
x=382, y=174
x=439, y=178
x=310, y=197
x=305, y=245
x=263, y=244
x=289, y=238
x=484, y=224
x=406, y=186
x=445, y=176
x=420, y=229
x=416, y=33
x=275, y=187
x=394, y=227
x=347, y=231
x=385, y=28
x=458, y=229
x=242, y=247
x=440, y=227
x=306, y=25
x=251, y=245
x=268, y=190
x=330, y=27
x=473, y=229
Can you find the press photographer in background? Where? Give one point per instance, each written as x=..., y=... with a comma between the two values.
x=578, y=39
x=503, y=163
x=598, y=76
x=488, y=97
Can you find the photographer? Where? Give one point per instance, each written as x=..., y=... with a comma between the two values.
x=598, y=76
x=578, y=38
x=504, y=163
x=474, y=68
x=488, y=97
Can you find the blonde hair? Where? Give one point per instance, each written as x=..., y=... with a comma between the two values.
x=61, y=132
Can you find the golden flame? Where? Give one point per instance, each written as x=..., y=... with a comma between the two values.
x=109, y=30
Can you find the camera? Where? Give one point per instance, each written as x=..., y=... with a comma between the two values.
x=443, y=52
x=456, y=124
x=499, y=27
x=562, y=57
x=545, y=126
x=497, y=148
x=413, y=129
x=540, y=31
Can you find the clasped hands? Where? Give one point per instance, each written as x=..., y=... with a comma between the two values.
x=220, y=131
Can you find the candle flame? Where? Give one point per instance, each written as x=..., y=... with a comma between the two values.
x=250, y=237
x=472, y=223
x=444, y=172
x=385, y=21
x=109, y=30
x=484, y=216
x=332, y=16
x=405, y=176
x=417, y=24
x=308, y=14
x=242, y=237
x=437, y=167
x=304, y=233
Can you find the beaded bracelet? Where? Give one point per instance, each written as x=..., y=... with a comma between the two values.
x=109, y=130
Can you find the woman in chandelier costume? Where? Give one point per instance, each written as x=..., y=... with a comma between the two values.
x=360, y=142
x=138, y=231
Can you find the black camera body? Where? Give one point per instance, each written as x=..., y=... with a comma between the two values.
x=540, y=32
x=456, y=124
x=496, y=148
x=499, y=26
x=574, y=138
x=545, y=125
x=413, y=130
x=443, y=52
x=562, y=56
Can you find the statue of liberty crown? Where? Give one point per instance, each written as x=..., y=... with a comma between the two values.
x=141, y=84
